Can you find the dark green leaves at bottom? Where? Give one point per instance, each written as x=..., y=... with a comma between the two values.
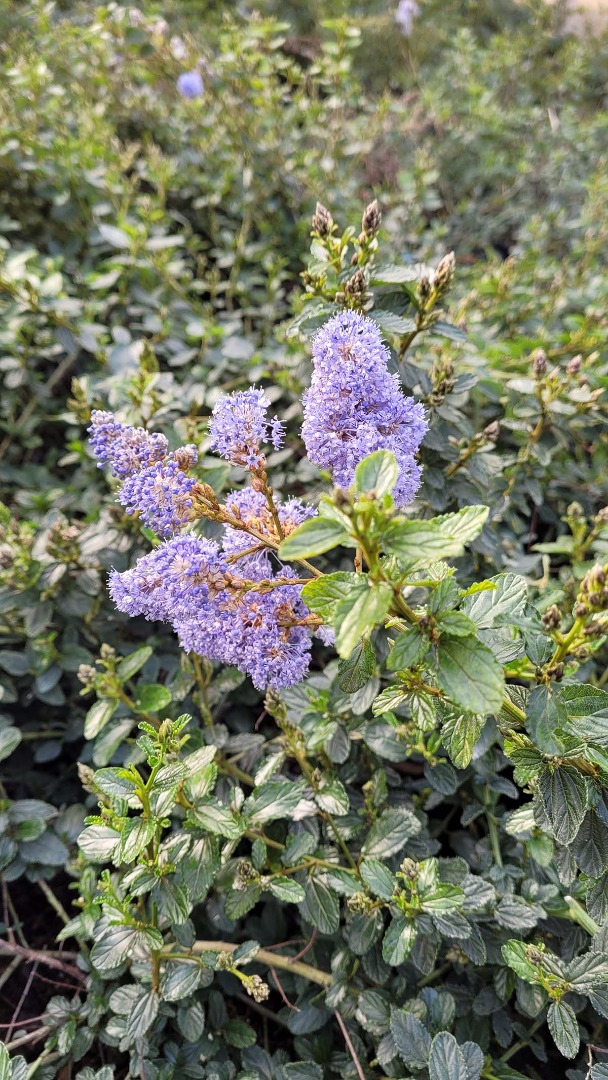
x=446, y=1060
x=563, y=1026
x=411, y=1038
x=322, y=906
x=312, y=537
x=564, y=795
x=398, y=941
x=470, y=675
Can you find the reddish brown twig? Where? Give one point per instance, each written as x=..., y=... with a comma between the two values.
x=308, y=946
x=26, y=990
x=41, y=957
x=350, y=1047
x=284, y=997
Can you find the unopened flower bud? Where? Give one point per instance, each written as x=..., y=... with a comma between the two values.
x=322, y=221
x=86, y=673
x=424, y=288
x=444, y=274
x=85, y=775
x=360, y=904
x=533, y=954
x=575, y=365
x=602, y=515
x=355, y=286
x=539, y=362
x=575, y=510
x=107, y=652
x=370, y=222
x=492, y=431
x=409, y=870
x=186, y=457
x=552, y=618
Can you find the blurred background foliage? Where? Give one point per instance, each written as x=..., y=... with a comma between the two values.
x=151, y=249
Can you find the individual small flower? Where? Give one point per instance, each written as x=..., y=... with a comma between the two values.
x=190, y=84
x=180, y=579
x=239, y=426
x=125, y=449
x=250, y=507
x=405, y=15
x=355, y=406
x=161, y=494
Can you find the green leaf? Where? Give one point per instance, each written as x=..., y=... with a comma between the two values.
x=276, y=799
x=446, y=1060
x=359, y=612
x=469, y=675
x=331, y=796
x=114, y=948
x=390, y=833
x=181, y=978
x=459, y=734
x=323, y=594
x=398, y=941
x=215, y=818
x=355, y=672
x=411, y=1038
x=322, y=907
x=133, y=663
x=442, y=537
x=142, y=1015
x=391, y=323
x=507, y=596
x=395, y=274
x=587, y=709
x=587, y=971
x=377, y=474
x=564, y=795
x=407, y=650
x=378, y=878
x=99, y=843
x=239, y=1034
x=545, y=715
x=312, y=537
x=10, y=737
x=390, y=698
x=456, y=624
x=563, y=1026
x=152, y=697
x=135, y=836
x=112, y=782
x=590, y=846
x=286, y=889
x=515, y=955
x=98, y=716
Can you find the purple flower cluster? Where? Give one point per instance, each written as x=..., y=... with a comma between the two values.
x=239, y=426
x=161, y=494
x=250, y=507
x=355, y=406
x=155, y=482
x=190, y=84
x=187, y=582
x=125, y=449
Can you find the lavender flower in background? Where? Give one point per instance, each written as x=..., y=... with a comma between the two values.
x=125, y=449
x=355, y=406
x=161, y=494
x=250, y=507
x=190, y=84
x=405, y=15
x=239, y=426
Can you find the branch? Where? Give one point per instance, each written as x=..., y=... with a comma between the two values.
x=263, y=956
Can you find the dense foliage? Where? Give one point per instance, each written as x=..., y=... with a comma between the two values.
x=395, y=867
